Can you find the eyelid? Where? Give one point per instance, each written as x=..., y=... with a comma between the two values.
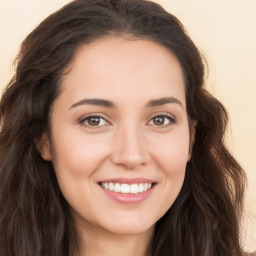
x=164, y=114
x=82, y=120
x=97, y=115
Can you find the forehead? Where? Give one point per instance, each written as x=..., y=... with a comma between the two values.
x=114, y=67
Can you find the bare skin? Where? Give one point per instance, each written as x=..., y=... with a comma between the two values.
x=120, y=118
x=102, y=243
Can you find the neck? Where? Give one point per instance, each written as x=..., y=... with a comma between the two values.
x=100, y=242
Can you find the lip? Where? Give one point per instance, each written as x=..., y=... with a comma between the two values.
x=128, y=198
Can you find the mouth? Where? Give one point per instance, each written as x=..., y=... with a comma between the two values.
x=125, y=188
x=128, y=191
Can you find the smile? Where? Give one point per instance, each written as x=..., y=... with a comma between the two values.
x=126, y=188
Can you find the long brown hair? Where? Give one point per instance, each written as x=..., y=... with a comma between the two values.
x=34, y=216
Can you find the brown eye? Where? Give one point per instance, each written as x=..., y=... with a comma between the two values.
x=162, y=120
x=93, y=121
x=158, y=120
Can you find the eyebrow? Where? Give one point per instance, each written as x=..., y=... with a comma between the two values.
x=110, y=104
x=95, y=102
x=163, y=101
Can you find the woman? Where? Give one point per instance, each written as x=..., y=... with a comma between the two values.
x=110, y=144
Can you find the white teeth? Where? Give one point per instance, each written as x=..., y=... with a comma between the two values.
x=134, y=188
x=117, y=187
x=141, y=187
x=111, y=186
x=126, y=188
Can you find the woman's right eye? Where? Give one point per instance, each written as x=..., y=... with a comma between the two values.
x=93, y=121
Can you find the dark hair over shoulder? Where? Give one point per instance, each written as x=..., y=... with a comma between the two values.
x=34, y=216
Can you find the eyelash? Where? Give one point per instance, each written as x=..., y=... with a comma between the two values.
x=170, y=118
x=85, y=119
x=167, y=116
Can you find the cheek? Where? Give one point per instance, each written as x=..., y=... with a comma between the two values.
x=78, y=158
x=77, y=154
x=174, y=159
x=171, y=156
x=171, y=153
x=173, y=163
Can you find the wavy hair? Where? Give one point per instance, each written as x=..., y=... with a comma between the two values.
x=34, y=216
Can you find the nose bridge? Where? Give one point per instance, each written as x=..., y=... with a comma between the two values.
x=129, y=146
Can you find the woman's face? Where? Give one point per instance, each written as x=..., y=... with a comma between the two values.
x=119, y=138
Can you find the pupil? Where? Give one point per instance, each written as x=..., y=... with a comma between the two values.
x=159, y=120
x=94, y=121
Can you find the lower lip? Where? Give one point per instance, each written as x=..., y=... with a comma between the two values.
x=129, y=198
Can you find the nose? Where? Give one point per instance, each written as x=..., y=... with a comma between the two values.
x=129, y=148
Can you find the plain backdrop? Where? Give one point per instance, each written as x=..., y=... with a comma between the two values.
x=225, y=30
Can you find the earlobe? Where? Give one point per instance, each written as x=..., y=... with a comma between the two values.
x=43, y=147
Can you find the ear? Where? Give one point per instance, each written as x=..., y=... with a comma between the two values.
x=43, y=147
x=192, y=129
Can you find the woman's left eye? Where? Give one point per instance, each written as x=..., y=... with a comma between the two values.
x=94, y=121
x=162, y=120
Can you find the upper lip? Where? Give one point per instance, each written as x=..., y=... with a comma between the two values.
x=128, y=180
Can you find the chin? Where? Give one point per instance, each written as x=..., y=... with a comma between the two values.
x=130, y=226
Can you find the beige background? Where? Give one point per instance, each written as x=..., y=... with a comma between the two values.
x=225, y=30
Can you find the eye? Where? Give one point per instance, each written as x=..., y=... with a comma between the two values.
x=162, y=120
x=93, y=121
